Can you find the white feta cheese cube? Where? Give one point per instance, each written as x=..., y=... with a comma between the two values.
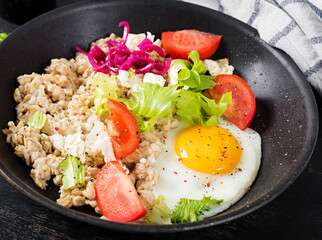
x=154, y=78
x=99, y=140
x=217, y=67
x=125, y=79
x=133, y=40
x=75, y=145
x=150, y=36
x=72, y=144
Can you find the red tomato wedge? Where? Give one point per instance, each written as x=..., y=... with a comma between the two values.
x=123, y=129
x=242, y=109
x=180, y=43
x=116, y=195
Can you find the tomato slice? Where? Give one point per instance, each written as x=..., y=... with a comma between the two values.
x=123, y=129
x=116, y=195
x=241, y=111
x=180, y=43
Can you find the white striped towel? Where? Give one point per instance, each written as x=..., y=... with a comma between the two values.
x=295, y=26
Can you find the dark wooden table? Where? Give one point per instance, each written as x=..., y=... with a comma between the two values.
x=295, y=214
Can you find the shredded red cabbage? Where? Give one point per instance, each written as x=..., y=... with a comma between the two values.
x=80, y=50
x=119, y=57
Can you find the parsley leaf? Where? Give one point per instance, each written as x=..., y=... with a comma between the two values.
x=189, y=210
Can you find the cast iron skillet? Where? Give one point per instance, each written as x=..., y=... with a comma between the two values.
x=286, y=116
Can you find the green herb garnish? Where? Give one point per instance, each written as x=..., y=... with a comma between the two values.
x=37, y=120
x=189, y=210
x=186, y=210
x=73, y=171
x=3, y=36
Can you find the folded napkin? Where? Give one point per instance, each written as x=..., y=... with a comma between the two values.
x=295, y=26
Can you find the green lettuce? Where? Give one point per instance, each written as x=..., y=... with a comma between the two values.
x=176, y=66
x=160, y=213
x=37, y=120
x=105, y=88
x=149, y=103
x=3, y=36
x=191, y=75
x=189, y=210
x=152, y=102
x=186, y=210
x=197, y=108
x=145, y=125
x=73, y=171
x=198, y=65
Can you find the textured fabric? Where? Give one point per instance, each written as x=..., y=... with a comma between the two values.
x=295, y=26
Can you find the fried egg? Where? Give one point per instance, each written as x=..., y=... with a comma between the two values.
x=221, y=161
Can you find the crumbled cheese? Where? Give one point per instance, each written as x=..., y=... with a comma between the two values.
x=88, y=125
x=150, y=36
x=127, y=80
x=158, y=43
x=76, y=145
x=99, y=140
x=217, y=67
x=154, y=78
x=143, y=160
x=72, y=144
x=133, y=40
x=58, y=141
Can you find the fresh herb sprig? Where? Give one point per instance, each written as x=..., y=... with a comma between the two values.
x=186, y=210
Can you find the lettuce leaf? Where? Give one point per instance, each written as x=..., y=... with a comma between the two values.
x=149, y=103
x=189, y=78
x=186, y=210
x=152, y=102
x=160, y=213
x=205, y=83
x=145, y=125
x=37, y=120
x=189, y=210
x=3, y=36
x=176, y=66
x=198, y=65
x=197, y=108
x=105, y=88
x=73, y=171
x=191, y=75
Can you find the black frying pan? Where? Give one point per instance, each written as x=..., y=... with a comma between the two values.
x=286, y=116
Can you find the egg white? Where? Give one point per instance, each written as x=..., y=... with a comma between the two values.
x=177, y=181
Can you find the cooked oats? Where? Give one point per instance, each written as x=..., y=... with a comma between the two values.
x=65, y=95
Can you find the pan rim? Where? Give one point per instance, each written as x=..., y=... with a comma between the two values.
x=312, y=132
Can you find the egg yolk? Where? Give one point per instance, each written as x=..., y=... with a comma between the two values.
x=212, y=150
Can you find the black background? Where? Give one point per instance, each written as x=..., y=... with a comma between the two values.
x=295, y=214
